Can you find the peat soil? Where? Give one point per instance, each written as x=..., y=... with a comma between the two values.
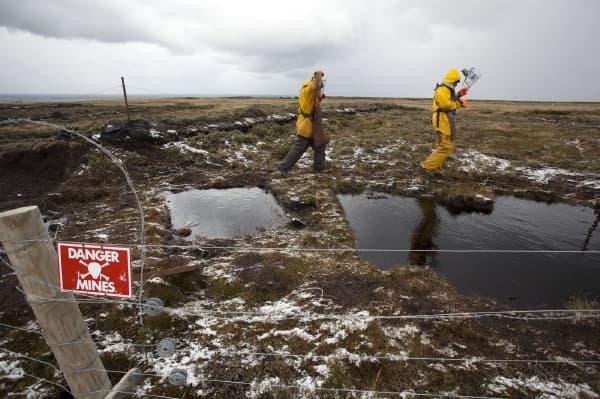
x=376, y=146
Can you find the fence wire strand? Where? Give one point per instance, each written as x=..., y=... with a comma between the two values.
x=243, y=316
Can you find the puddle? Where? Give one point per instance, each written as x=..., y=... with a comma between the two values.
x=521, y=280
x=224, y=213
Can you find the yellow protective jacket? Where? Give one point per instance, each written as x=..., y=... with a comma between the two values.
x=444, y=103
x=306, y=105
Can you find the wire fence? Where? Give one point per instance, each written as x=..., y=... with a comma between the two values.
x=279, y=316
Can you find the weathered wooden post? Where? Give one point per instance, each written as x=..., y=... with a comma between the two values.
x=125, y=95
x=32, y=255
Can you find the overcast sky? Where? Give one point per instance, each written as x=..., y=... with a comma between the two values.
x=525, y=49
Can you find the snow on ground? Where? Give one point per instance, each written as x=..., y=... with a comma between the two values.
x=476, y=161
x=545, y=174
x=183, y=148
x=593, y=184
x=415, y=185
x=111, y=342
x=10, y=368
x=545, y=389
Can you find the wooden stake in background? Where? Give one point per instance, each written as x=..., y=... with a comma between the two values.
x=33, y=257
x=125, y=95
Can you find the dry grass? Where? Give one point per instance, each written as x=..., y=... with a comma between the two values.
x=382, y=142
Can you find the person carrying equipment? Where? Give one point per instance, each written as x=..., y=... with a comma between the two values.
x=309, y=98
x=444, y=105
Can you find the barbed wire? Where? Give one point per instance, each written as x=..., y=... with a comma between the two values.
x=29, y=330
x=210, y=380
x=56, y=369
x=284, y=386
x=341, y=249
x=526, y=314
x=365, y=357
x=572, y=314
x=260, y=316
x=356, y=357
x=120, y=164
x=40, y=379
x=350, y=356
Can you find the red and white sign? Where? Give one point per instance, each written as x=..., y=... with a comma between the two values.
x=94, y=269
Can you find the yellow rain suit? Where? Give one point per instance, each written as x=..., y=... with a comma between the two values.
x=444, y=105
x=306, y=105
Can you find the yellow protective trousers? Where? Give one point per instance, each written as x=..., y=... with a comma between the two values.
x=444, y=147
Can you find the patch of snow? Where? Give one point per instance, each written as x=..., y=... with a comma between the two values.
x=401, y=333
x=240, y=156
x=155, y=133
x=298, y=332
x=593, y=184
x=351, y=357
x=468, y=364
x=340, y=329
x=183, y=148
x=258, y=388
x=474, y=160
x=9, y=369
x=306, y=384
x=438, y=367
x=323, y=370
x=414, y=185
x=279, y=310
x=544, y=175
x=358, y=153
x=111, y=342
x=544, y=388
x=249, y=148
x=577, y=144
x=447, y=352
x=389, y=148
x=217, y=270
x=84, y=168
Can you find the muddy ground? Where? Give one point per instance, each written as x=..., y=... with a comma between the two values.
x=542, y=151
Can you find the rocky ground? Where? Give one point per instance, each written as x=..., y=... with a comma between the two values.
x=294, y=312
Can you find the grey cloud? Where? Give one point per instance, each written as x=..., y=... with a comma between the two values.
x=542, y=48
x=105, y=21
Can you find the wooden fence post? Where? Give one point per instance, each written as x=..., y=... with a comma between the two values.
x=125, y=95
x=33, y=256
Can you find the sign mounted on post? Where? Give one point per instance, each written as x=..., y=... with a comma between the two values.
x=94, y=269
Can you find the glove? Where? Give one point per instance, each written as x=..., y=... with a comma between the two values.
x=463, y=92
x=463, y=102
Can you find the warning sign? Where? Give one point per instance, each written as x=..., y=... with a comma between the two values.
x=94, y=269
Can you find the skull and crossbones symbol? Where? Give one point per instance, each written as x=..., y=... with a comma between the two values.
x=94, y=270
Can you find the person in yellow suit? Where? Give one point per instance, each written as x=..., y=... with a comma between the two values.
x=311, y=90
x=444, y=105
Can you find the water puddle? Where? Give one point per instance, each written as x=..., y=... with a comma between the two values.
x=521, y=280
x=224, y=213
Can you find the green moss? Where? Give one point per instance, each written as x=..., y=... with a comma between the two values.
x=350, y=186
x=187, y=283
x=244, y=138
x=221, y=289
x=168, y=293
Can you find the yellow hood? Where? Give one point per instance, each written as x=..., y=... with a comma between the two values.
x=452, y=76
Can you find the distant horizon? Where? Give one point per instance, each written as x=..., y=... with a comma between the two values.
x=531, y=50
x=12, y=98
